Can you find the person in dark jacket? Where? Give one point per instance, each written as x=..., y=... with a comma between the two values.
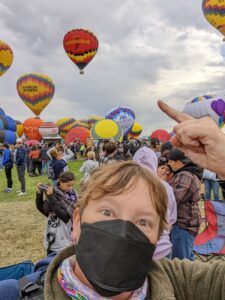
x=21, y=166
x=58, y=205
x=56, y=165
x=8, y=164
x=186, y=186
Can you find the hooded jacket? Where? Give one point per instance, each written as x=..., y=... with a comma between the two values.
x=147, y=158
x=186, y=186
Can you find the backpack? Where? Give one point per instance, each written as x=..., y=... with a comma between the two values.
x=51, y=173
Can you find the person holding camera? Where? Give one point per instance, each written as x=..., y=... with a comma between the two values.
x=58, y=205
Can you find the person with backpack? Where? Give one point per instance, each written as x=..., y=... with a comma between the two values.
x=35, y=160
x=56, y=166
x=58, y=205
x=7, y=162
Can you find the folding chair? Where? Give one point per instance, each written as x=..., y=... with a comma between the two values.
x=16, y=271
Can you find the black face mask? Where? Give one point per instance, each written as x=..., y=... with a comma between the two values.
x=115, y=256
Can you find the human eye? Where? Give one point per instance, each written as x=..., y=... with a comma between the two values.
x=144, y=223
x=106, y=212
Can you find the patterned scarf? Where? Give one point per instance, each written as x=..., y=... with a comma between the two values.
x=78, y=291
x=66, y=200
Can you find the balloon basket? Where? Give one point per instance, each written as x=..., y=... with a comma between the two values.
x=81, y=72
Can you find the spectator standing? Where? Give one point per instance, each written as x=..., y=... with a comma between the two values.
x=21, y=166
x=35, y=158
x=8, y=164
x=186, y=186
x=89, y=165
x=56, y=166
x=109, y=156
x=211, y=184
x=45, y=159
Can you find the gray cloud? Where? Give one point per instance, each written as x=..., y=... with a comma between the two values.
x=148, y=50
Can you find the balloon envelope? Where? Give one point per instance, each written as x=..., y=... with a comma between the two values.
x=212, y=107
x=135, y=131
x=36, y=91
x=8, y=136
x=19, y=128
x=214, y=12
x=65, y=124
x=107, y=129
x=6, y=57
x=31, y=128
x=48, y=129
x=161, y=134
x=124, y=116
x=80, y=133
x=92, y=120
x=1, y=111
x=7, y=122
x=81, y=46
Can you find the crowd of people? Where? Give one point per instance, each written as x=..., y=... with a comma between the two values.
x=127, y=233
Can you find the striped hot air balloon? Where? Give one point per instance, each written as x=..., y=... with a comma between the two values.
x=6, y=57
x=65, y=124
x=36, y=90
x=81, y=47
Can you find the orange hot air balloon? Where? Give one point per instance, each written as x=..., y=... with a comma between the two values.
x=81, y=47
x=31, y=128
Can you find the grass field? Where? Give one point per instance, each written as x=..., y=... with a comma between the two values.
x=21, y=225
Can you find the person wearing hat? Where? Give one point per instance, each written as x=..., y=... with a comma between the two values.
x=186, y=186
x=21, y=166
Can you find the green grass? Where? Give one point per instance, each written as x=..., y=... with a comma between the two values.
x=31, y=183
x=22, y=225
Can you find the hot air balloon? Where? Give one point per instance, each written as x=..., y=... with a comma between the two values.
x=94, y=119
x=80, y=124
x=107, y=129
x=161, y=135
x=31, y=128
x=7, y=122
x=212, y=107
x=81, y=47
x=48, y=129
x=65, y=124
x=80, y=133
x=19, y=128
x=135, y=131
x=1, y=111
x=124, y=116
x=6, y=57
x=8, y=136
x=214, y=12
x=36, y=91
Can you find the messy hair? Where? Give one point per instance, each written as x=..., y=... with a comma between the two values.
x=119, y=177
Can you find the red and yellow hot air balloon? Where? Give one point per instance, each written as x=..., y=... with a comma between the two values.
x=81, y=47
x=36, y=90
x=6, y=57
x=214, y=12
x=31, y=128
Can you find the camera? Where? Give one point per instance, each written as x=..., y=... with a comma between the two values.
x=43, y=187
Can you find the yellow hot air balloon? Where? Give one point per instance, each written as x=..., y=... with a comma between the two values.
x=19, y=128
x=65, y=124
x=6, y=57
x=214, y=12
x=36, y=91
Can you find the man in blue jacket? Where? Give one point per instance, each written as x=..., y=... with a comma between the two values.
x=8, y=164
x=21, y=166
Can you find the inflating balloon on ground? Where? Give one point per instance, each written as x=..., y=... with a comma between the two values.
x=135, y=131
x=78, y=133
x=31, y=128
x=124, y=116
x=65, y=124
x=161, y=135
x=107, y=129
x=92, y=120
x=81, y=47
x=6, y=57
x=36, y=90
x=19, y=128
x=49, y=129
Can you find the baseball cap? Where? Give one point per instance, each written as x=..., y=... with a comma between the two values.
x=175, y=154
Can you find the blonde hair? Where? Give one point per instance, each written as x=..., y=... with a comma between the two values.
x=119, y=177
x=91, y=155
x=54, y=153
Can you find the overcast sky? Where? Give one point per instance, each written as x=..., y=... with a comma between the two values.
x=148, y=50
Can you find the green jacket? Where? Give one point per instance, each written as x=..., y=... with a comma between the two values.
x=168, y=280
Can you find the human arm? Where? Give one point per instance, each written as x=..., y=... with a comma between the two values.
x=200, y=139
x=83, y=167
x=68, y=154
x=183, y=279
x=42, y=205
x=49, y=150
x=6, y=157
x=55, y=207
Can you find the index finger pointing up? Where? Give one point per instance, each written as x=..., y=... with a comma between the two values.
x=173, y=113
